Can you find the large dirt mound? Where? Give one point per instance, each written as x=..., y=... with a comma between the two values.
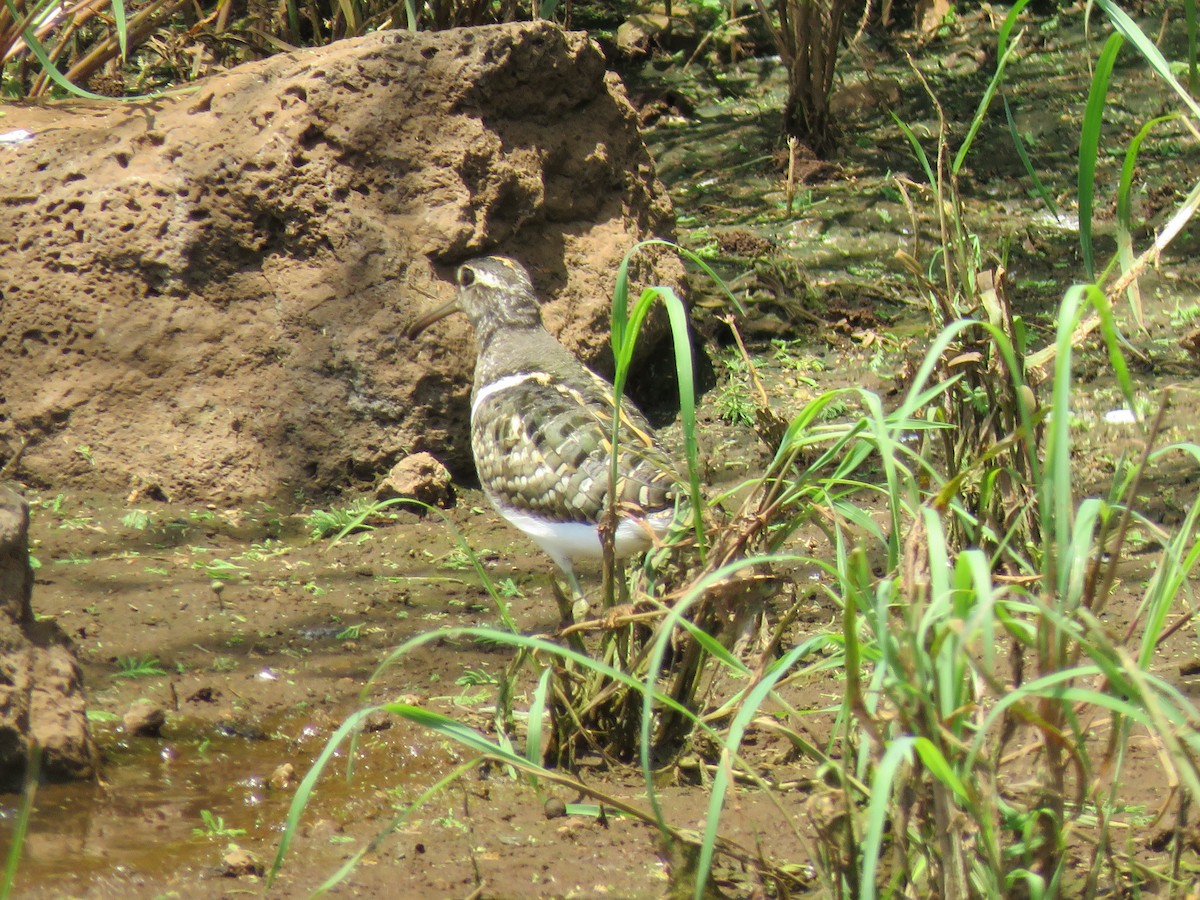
x=202, y=295
x=41, y=690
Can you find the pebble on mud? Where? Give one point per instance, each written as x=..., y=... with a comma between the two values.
x=145, y=719
x=555, y=808
x=380, y=720
x=418, y=477
x=238, y=863
x=283, y=777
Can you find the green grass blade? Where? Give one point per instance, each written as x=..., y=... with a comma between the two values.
x=748, y=708
x=21, y=826
x=121, y=27
x=663, y=642
x=309, y=783
x=918, y=150
x=1125, y=213
x=939, y=767
x=1126, y=26
x=351, y=16
x=984, y=104
x=537, y=709
x=1089, y=146
x=1019, y=145
x=1189, y=13
x=534, y=645
x=415, y=806
x=1007, y=26
x=626, y=325
x=1056, y=504
x=43, y=58
x=897, y=754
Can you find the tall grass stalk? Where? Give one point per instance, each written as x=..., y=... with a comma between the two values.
x=12, y=862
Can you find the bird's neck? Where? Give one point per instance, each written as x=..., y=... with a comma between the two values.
x=503, y=346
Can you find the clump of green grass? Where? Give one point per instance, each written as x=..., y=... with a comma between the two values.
x=734, y=404
x=340, y=521
x=979, y=745
x=138, y=667
x=213, y=827
x=137, y=519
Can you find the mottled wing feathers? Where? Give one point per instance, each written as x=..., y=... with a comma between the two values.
x=548, y=446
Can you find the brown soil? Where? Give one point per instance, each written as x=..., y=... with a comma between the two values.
x=261, y=674
x=203, y=294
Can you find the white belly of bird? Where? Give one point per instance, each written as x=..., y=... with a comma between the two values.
x=581, y=540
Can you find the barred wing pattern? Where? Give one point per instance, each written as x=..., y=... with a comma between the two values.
x=549, y=448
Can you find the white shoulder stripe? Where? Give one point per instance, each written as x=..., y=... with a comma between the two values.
x=500, y=384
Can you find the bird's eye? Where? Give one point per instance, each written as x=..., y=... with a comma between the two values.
x=466, y=276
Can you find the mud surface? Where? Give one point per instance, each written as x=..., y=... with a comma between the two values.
x=265, y=636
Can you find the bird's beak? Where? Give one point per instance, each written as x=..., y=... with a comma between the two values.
x=437, y=315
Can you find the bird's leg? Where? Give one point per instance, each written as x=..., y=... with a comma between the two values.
x=575, y=608
x=580, y=609
x=572, y=609
x=565, y=611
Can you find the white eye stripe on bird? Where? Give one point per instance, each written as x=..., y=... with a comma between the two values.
x=480, y=273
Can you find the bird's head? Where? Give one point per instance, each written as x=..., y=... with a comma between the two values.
x=493, y=292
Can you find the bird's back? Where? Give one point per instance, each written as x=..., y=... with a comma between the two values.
x=542, y=431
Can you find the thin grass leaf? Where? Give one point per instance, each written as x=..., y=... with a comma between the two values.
x=349, y=10
x=1055, y=488
x=456, y=731
x=1019, y=145
x=748, y=710
x=651, y=695
x=121, y=27
x=1113, y=341
x=537, y=710
x=293, y=18
x=687, y=397
x=939, y=767
x=309, y=782
x=532, y=644
x=918, y=150
x=1006, y=27
x=897, y=754
x=1125, y=254
x=348, y=867
x=20, y=829
x=1089, y=146
x=714, y=648
x=984, y=104
x=1172, y=574
x=43, y=58
x=625, y=328
x=1126, y=26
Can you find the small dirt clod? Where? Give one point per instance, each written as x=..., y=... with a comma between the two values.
x=238, y=863
x=145, y=719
